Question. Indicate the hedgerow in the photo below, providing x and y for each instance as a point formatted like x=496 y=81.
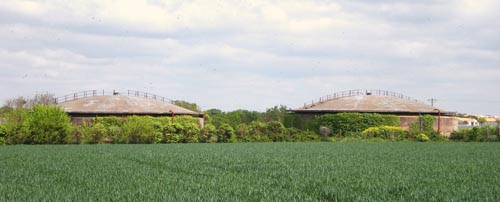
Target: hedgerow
x=343 y=123
x=385 y=132
x=480 y=134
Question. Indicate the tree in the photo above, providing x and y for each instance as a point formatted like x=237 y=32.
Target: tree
x=276 y=113
x=28 y=103
x=48 y=125
x=16 y=103
x=188 y=105
x=225 y=133
x=482 y=120
x=15 y=126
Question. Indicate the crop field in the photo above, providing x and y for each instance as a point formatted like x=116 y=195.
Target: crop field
x=403 y=171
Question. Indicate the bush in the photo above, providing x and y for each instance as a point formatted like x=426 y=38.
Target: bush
x=258 y=132
x=296 y=135
x=225 y=133
x=275 y=131
x=185 y=129
x=343 y=123
x=48 y=125
x=480 y=134
x=422 y=137
x=385 y=132
x=427 y=127
x=208 y=133
x=15 y=126
x=141 y=130
x=243 y=134
x=3 y=133
x=93 y=134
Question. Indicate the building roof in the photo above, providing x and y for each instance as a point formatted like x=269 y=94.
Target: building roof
x=122 y=105
x=371 y=101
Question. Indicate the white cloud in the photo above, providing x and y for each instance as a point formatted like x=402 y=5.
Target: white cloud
x=253 y=54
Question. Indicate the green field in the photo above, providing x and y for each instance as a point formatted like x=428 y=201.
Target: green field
x=404 y=171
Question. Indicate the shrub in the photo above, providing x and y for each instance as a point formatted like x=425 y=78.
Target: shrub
x=225 y=133
x=208 y=133
x=308 y=136
x=170 y=134
x=3 y=133
x=258 y=132
x=422 y=137
x=312 y=125
x=275 y=131
x=457 y=135
x=15 y=126
x=48 y=125
x=93 y=134
x=385 y=132
x=140 y=130
x=343 y=123
x=243 y=134
x=296 y=135
x=427 y=127
x=486 y=133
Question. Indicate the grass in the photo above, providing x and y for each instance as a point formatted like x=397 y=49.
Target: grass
x=402 y=171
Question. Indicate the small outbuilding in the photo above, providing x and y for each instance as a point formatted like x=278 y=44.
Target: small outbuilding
x=84 y=106
x=408 y=109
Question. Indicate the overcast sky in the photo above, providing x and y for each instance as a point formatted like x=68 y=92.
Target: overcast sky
x=255 y=54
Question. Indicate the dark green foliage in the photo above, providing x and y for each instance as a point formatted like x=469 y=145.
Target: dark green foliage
x=343 y=123
x=276 y=113
x=237 y=117
x=275 y=131
x=292 y=121
x=3 y=134
x=404 y=171
x=47 y=125
x=243 y=134
x=425 y=126
x=225 y=133
x=480 y=134
x=208 y=134
x=233 y=118
x=428 y=123
x=312 y=125
x=296 y=135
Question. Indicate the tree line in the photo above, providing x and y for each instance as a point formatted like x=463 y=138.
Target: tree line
x=39 y=121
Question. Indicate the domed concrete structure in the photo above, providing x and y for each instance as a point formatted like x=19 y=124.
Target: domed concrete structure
x=381 y=102
x=88 y=104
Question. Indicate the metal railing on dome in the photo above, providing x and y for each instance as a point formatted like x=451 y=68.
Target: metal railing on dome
x=94 y=93
x=358 y=92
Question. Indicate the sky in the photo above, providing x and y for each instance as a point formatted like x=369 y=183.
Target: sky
x=255 y=54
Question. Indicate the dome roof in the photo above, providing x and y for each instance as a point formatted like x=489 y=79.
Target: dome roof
x=122 y=105
x=370 y=101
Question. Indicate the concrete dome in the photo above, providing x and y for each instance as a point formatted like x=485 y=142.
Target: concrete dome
x=369 y=101
x=122 y=105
